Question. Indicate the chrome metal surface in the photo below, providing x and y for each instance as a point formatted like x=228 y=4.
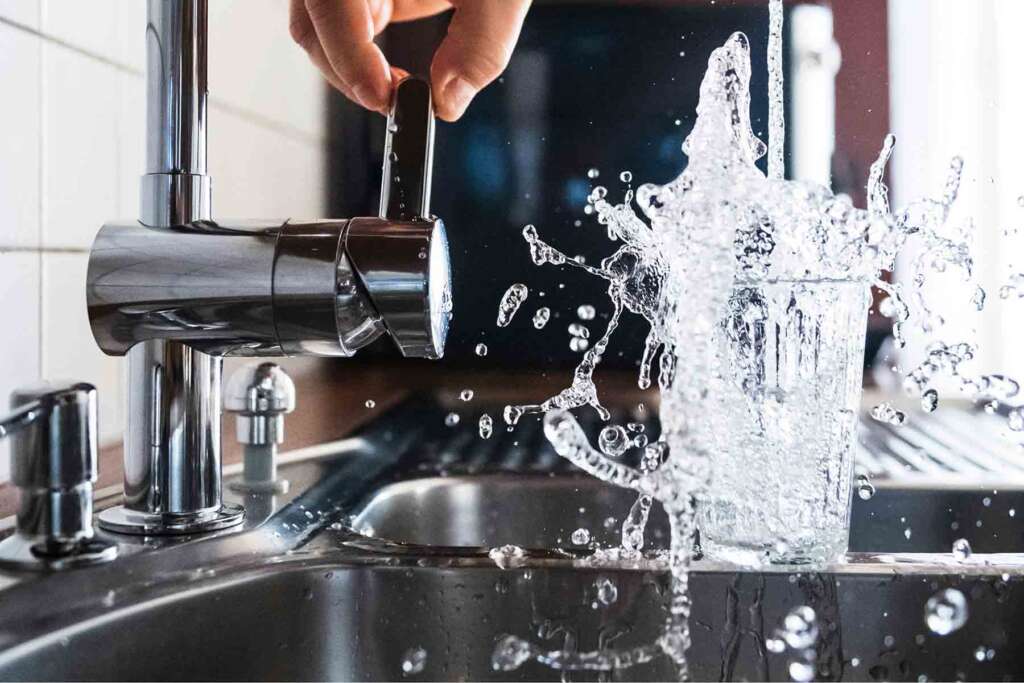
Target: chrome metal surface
x=303 y=596
x=260 y=395
x=53 y=431
x=177 y=291
x=408 y=153
x=405 y=268
x=176 y=188
x=172 y=443
x=172 y=435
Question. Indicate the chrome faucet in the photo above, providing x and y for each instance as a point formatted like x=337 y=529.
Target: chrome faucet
x=176 y=292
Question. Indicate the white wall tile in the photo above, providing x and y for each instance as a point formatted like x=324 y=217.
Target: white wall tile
x=80 y=152
x=262 y=173
x=19 y=138
x=19 y=360
x=131 y=132
x=22 y=11
x=68 y=348
x=130 y=27
x=90 y=26
x=255 y=65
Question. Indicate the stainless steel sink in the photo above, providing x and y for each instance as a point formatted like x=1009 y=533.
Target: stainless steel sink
x=300 y=594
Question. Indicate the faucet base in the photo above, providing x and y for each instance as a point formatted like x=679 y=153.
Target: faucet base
x=121 y=520
x=20 y=553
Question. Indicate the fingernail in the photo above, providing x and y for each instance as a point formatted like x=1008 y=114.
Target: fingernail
x=458 y=94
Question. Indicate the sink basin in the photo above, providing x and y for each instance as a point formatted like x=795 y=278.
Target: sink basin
x=539 y=511
x=301 y=594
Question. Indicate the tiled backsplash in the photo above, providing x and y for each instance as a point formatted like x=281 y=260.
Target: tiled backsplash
x=71 y=152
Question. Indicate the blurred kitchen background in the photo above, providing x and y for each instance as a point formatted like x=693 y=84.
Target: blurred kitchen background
x=610 y=85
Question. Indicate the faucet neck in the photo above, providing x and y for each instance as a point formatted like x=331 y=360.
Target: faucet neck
x=176 y=187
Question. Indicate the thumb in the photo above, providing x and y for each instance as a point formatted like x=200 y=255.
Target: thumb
x=480 y=40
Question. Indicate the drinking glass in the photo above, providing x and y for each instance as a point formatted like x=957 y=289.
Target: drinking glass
x=783 y=414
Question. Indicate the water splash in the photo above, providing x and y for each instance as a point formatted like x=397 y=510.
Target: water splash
x=683 y=252
x=511 y=300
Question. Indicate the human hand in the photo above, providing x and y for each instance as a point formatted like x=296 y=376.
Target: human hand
x=338 y=36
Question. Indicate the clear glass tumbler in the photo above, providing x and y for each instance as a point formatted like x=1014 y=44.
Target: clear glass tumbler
x=784 y=398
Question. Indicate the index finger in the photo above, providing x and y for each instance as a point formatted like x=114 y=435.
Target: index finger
x=346 y=32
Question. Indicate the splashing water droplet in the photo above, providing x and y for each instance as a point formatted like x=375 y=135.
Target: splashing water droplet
x=946 y=611
x=486 y=426
x=613 y=440
x=414 y=660
x=481 y=350
x=865 y=489
x=593 y=173
x=510 y=653
x=961 y=550
x=578 y=330
x=580 y=536
x=885 y=412
x=506 y=556
x=1015 y=419
x=626 y=177
x=607 y=591
x=452 y=419
x=466 y=395
x=541 y=317
x=800 y=628
x=370 y=403
x=578 y=344
x=510 y=302
x=802 y=672
x=929 y=401
x=512 y=414
x=586 y=312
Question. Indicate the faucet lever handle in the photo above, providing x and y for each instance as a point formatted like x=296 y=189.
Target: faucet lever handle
x=408 y=152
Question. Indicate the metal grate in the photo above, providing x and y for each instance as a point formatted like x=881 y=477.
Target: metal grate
x=952 y=447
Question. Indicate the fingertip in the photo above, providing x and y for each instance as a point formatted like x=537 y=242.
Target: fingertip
x=452 y=97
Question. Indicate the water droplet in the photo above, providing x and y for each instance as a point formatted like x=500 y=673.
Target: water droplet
x=593 y=173
x=586 y=312
x=929 y=401
x=961 y=550
x=578 y=330
x=884 y=412
x=775 y=645
x=541 y=317
x=506 y=556
x=580 y=536
x=511 y=300
x=607 y=592
x=481 y=350
x=486 y=426
x=946 y=611
x=1015 y=419
x=414 y=660
x=865 y=489
x=466 y=395
x=451 y=419
x=802 y=672
x=512 y=414
x=613 y=440
x=578 y=344
x=510 y=653
x=370 y=403
x=800 y=628
x=626 y=177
